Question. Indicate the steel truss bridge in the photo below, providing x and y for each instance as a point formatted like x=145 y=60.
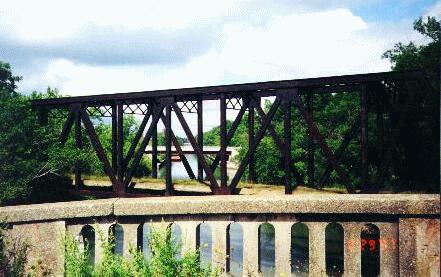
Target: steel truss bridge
x=158 y=105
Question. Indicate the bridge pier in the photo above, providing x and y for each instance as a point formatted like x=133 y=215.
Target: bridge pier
x=219 y=243
x=389 y=264
x=352 y=250
x=282 y=234
x=317 y=250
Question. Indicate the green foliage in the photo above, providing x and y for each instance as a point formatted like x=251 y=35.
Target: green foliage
x=7 y=80
x=20 y=145
x=104 y=131
x=212 y=137
x=161 y=139
x=76 y=260
x=164 y=249
x=417 y=144
x=163 y=261
x=31 y=155
x=424 y=57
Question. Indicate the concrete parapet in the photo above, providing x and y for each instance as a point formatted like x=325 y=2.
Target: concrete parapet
x=45 y=240
x=409 y=227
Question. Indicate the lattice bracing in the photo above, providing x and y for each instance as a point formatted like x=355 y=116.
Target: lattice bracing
x=102 y=111
x=234 y=103
x=188 y=106
x=135 y=108
x=58 y=113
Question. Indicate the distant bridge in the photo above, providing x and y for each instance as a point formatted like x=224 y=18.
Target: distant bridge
x=187 y=149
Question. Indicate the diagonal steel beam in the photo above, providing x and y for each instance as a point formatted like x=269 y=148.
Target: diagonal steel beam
x=312 y=127
x=340 y=151
x=138 y=155
x=137 y=137
x=230 y=135
x=67 y=126
x=213 y=183
x=98 y=148
x=279 y=142
x=180 y=152
x=258 y=138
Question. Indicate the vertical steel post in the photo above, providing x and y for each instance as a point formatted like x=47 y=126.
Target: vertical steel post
x=120 y=149
x=168 y=164
x=287 y=145
x=154 y=148
x=200 y=137
x=223 y=142
x=380 y=124
x=79 y=144
x=363 y=136
x=251 y=165
x=311 y=145
x=114 y=137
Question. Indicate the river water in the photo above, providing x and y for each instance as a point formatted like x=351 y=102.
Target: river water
x=178 y=169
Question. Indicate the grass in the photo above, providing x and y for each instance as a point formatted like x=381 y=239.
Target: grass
x=163 y=261
x=244 y=187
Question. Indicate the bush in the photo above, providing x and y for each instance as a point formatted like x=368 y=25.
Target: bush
x=50 y=188
x=163 y=261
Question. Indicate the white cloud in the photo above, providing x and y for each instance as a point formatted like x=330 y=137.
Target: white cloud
x=434 y=10
x=241 y=41
x=288 y=46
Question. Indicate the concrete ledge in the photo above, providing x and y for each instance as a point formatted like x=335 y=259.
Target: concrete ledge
x=392 y=204
x=272 y=204
x=55 y=211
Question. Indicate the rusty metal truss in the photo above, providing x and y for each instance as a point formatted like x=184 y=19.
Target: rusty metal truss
x=156 y=106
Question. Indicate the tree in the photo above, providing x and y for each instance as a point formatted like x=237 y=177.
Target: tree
x=7 y=80
x=417 y=145
x=17 y=156
x=31 y=154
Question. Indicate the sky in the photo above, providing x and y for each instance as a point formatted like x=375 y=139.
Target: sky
x=94 y=47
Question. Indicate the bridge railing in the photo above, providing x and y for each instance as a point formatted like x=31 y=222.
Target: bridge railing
x=391 y=235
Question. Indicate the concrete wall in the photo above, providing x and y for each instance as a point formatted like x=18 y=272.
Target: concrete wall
x=409 y=227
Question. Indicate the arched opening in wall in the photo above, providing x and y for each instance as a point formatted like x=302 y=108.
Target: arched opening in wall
x=300 y=249
x=116 y=236
x=88 y=241
x=334 y=246
x=204 y=242
x=176 y=238
x=267 y=259
x=235 y=249
x=142 y=242
x=370 y=250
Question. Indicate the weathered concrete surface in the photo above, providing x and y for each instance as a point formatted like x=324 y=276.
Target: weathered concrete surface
x=61 y=210
x=415 y=225
x=317 y=257
x=45 y=245
x=297 y=204
x=419 y=247
x=233 y=204
x=301 y=204
x=389 y=260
